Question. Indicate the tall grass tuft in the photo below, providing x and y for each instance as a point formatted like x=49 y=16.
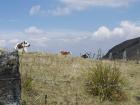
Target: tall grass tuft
x=105 y=81
x=27 y=84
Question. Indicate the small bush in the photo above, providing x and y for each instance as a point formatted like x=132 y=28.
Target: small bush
x=106 y=82
x=27 y=84
x=24 y=102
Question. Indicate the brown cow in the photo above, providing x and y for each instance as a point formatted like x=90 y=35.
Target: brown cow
x=65 y=53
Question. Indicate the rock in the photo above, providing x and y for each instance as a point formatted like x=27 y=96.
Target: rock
x=10 y=83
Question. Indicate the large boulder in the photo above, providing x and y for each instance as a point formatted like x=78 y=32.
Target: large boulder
x=10 y=83
x=129 y=48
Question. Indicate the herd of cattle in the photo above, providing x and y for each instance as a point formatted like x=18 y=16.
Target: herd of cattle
x=22 y=47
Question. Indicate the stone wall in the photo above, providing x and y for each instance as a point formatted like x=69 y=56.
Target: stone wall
x=10 y=82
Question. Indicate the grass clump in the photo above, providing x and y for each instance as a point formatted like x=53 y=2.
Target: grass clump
x=105 y=81
x=24 y=102
x=27 y=84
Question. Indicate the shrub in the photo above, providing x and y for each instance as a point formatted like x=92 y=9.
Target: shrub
x=27 y=84
x=24 y=102
x=106 y=82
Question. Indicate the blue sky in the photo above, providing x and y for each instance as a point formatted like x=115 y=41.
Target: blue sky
x=75 y=25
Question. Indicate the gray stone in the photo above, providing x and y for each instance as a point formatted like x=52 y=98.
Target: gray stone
x=10 y=82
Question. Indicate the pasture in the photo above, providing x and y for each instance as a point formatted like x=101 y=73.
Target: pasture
x=60 y=80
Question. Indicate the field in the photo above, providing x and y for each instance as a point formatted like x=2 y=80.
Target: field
x=49 y=79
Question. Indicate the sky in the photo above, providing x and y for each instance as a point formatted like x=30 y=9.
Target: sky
x=74 y=25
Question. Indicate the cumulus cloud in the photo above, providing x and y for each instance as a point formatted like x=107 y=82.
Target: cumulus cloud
x=64 y=37
x=102 y=32
x=33 y=30
x=125 y=30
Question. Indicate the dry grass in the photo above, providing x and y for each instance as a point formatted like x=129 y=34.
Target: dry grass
x=62 y=79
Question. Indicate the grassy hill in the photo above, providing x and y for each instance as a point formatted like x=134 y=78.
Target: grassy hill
x=62 y=79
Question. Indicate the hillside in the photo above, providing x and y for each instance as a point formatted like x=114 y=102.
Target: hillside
x=62 y=79
x=132 y=48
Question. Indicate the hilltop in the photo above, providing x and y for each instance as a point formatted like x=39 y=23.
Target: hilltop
x=132 y=48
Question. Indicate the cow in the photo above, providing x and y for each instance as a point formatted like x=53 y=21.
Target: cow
x=86 y=55
x=65 y=53
x=22 y=47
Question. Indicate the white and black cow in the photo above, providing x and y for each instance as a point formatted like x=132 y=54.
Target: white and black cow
x=22 y=47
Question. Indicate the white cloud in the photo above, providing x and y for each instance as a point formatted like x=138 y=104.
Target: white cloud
x=60 y=11
x=72 y=39
x=33 y=30
x=103 y=37
x=2 y=43
x=42 y=41
x=14 y=41
x=79 y=5
x=66 y=7
x=102 y=32
x=125 y=30
x=35 y=9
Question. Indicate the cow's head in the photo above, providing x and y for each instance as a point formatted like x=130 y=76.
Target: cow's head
x=25 y=44
x=86 y=55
